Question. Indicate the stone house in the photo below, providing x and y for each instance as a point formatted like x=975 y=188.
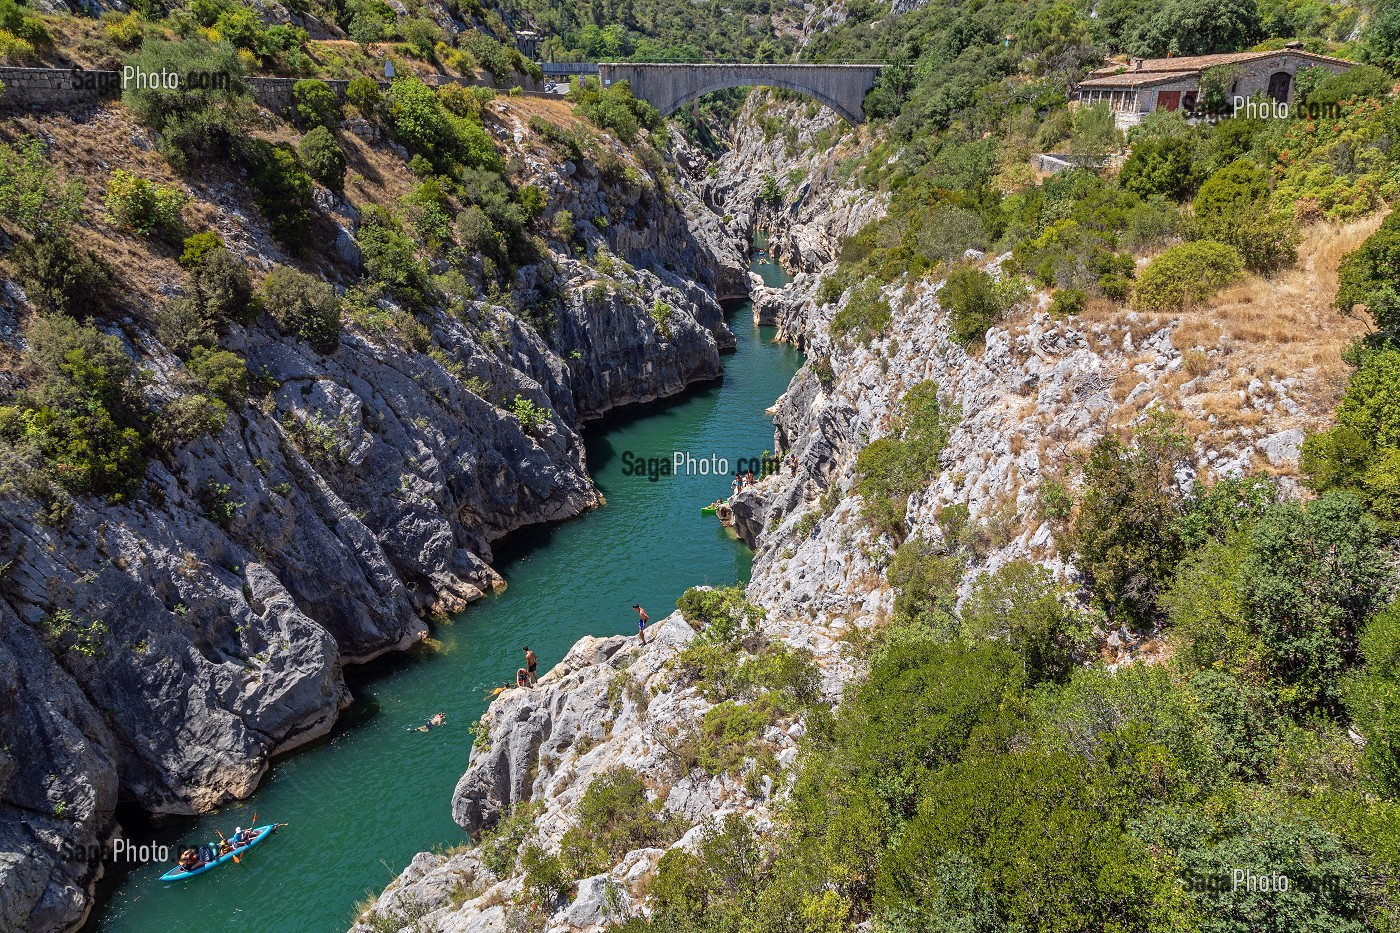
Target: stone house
x=1146 y=84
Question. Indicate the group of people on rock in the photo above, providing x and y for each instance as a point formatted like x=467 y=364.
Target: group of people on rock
x=527 y=677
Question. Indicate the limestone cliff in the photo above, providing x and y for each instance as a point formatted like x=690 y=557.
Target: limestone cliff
x=162 y=649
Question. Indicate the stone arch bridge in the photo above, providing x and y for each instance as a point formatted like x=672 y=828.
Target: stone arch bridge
x=668 y=86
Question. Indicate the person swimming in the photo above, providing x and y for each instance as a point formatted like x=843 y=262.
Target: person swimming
x=439 y=719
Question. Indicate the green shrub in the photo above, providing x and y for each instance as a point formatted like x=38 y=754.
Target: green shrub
x=1370 y=277
x=315 y=104
x=614 y=108
x=1232 y=192
x=218 y=294
x=532 y=417
x=925 y=577
x=1359 y=83
x=1313 y=575
x=390 y=257
x=546 y=880
x=891 y=469
x=1187 y=274
x=1125 y=535
x=426 y=211
x=144 y=206
x=31 y=193
x=614 y=817
x=321 y=155
x=500 y=845
x=84 y=416
x=282 y=189
x=722 y=614
x=1164 y=167
x=188 y=417
x=421 y=35
x=365 y=95
x=865 y=315
x=1265 y=239
x=1373 y=696
x=975 y=301
x=303 y=307
x=59 y=276
x=198 y=246
x=193 y=122
x=1066 y=302
x=1021 y=604
x=418 y=121
x=223 y=375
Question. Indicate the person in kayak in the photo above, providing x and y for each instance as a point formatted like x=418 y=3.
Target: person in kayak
x=189 y=860
x=642 y=621
x=531 y=662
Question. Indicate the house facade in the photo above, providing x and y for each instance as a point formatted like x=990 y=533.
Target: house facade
x=1143 y=85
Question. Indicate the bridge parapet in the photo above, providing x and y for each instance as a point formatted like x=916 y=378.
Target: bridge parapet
x=669 y=86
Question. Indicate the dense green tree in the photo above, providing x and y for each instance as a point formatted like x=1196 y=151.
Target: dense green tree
x=1160 y=167
x=1313 y=575
x=1370 y=277
x=1125 y=534
x=1021 y=603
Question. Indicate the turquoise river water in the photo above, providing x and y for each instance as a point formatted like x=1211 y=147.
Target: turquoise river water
x=361 y=803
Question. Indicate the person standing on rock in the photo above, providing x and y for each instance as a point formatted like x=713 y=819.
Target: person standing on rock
x=531 y=662
x=642 y=621
x=738 y=484
x=792 y=464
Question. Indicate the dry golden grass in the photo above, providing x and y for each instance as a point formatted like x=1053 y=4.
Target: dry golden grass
x=1286 y=325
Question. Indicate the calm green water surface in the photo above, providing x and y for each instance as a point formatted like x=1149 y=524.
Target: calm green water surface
x=360 y=804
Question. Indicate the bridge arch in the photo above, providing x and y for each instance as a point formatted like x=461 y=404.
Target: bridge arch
x=670 y=86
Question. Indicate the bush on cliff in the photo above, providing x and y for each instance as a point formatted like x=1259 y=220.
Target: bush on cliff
x=58 y=275
x=723 y=615
x=302 y=306
x=449 y=142
x=1186 y=275
x=865 y=315
x=193 y=122
x=893 y=468
x=315 y=104
x=614 y=108
x=1125 y=535
x=282 y=189
x=145 y=207
x=32 y=193
x=84 y=415
x=614 y=817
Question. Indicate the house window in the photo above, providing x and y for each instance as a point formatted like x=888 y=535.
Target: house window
x=1280 y=83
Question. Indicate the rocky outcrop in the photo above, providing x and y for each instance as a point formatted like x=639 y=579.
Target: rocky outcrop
x=781 y=178
x=610 y=703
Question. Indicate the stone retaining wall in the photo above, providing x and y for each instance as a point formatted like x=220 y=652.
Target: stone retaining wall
x=59 y=88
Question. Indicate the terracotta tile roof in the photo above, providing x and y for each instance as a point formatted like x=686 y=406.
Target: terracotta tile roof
x=1198 y=63
x=1138 y=78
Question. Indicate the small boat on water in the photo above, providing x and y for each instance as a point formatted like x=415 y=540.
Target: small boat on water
x=259 y=834
x=710 y=509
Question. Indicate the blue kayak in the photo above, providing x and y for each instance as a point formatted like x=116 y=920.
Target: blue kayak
x=262 y=832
